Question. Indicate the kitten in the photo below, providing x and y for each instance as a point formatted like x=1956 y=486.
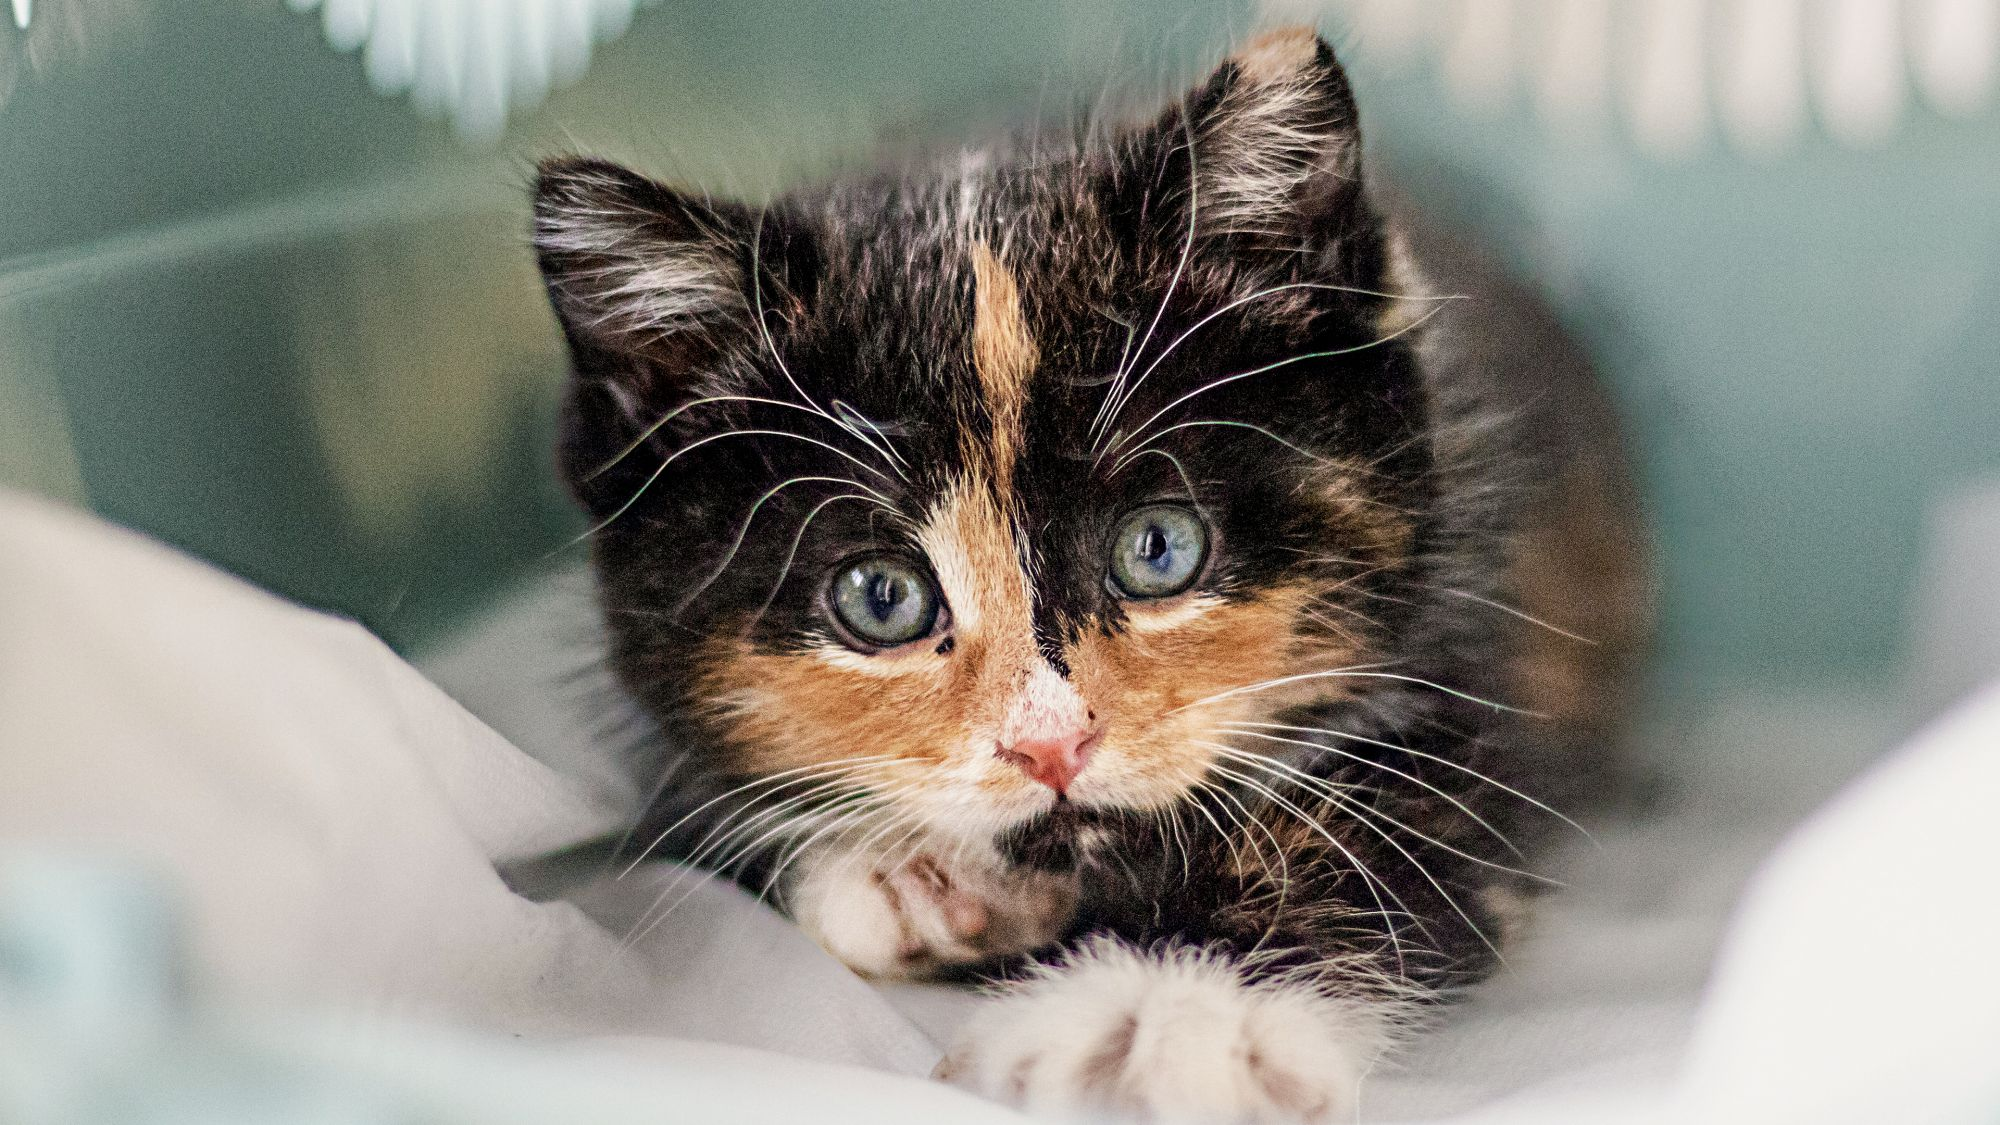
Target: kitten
x=1115 y=555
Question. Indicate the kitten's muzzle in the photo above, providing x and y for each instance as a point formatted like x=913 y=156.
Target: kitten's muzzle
x=1049 y=729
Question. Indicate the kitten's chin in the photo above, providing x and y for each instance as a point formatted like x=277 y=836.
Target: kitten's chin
x=1061 y=837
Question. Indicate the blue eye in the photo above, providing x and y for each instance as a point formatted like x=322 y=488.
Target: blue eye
x=1158 y=551
x=884 y=601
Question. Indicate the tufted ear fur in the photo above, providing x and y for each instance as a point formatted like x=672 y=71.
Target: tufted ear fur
x=1264 y=160
x=633 y=267
x=655 y=293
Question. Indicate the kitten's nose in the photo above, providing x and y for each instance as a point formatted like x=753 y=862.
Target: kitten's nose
x=1049 y=730
x=1054 y=762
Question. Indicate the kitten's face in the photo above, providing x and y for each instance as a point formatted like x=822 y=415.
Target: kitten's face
x=1008 y=489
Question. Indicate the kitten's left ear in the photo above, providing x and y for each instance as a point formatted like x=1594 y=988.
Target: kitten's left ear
x=1264 y=156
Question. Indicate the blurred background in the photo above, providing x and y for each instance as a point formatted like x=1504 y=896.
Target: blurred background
x=265 y=291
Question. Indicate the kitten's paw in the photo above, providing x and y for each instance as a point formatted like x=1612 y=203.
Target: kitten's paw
x=1170 y=1037
x=919 y=914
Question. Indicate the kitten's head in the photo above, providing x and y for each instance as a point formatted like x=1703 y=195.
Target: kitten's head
x=1004 y=488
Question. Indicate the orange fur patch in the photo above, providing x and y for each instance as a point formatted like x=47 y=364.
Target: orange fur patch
x=788 y=710
x=915 y=705
x=1412 y=302
x=1580 y=565
x=1373 y=529
x=970 y=543
x=1277 y=54
x=1004 y=355
x=936 y=715
x=1154 y=690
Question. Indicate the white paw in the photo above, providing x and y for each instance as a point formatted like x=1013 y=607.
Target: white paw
x=919 y=913
x=1168 y=1037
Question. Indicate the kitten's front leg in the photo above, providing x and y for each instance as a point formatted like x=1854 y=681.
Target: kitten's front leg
x=1171 y=1035
x=1243 y=985
x=913 y=913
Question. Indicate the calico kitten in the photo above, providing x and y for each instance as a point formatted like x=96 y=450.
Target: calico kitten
x=1114 y=554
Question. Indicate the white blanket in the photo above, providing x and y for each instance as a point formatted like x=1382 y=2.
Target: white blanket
x=330 y=823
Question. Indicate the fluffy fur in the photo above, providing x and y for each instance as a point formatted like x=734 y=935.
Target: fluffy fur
x=1306 y=772
x=1179 y=1035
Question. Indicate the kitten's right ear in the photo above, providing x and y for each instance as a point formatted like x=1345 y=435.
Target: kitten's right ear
x=642 y=277
x=654 y=290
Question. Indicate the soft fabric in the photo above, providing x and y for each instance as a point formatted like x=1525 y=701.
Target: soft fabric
x=331 y=825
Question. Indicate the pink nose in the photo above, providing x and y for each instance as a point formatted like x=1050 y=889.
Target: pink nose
x=1054 y=762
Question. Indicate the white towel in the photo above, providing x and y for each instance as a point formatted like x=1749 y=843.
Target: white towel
x=332 y=822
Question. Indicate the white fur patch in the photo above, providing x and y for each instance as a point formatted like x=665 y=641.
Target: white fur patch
x=1047 y=706
x=906 y=915
x=848 y=909
x=1164 y=617
x=1178 y=1036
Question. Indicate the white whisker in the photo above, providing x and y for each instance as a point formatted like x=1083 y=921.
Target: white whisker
x=1353 y=673
x=661 y=909
x=1376 y=886
x=646 y=435
x=1429 y=757
x=1187 y=482
x=744 y=531
x=1333 y=791
x=1107 y=411
x=1241 y=375
x=1508 y=609
x=730 y=831
x=1195 y=802
x=792 y=555
x=764 y=329
x=815 y=769
x=839 y=827
x=1385 y=767
x=1298 y=449
x=1307 y=819
x=845 y=409
x=1239 y=302
x=694 y=445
